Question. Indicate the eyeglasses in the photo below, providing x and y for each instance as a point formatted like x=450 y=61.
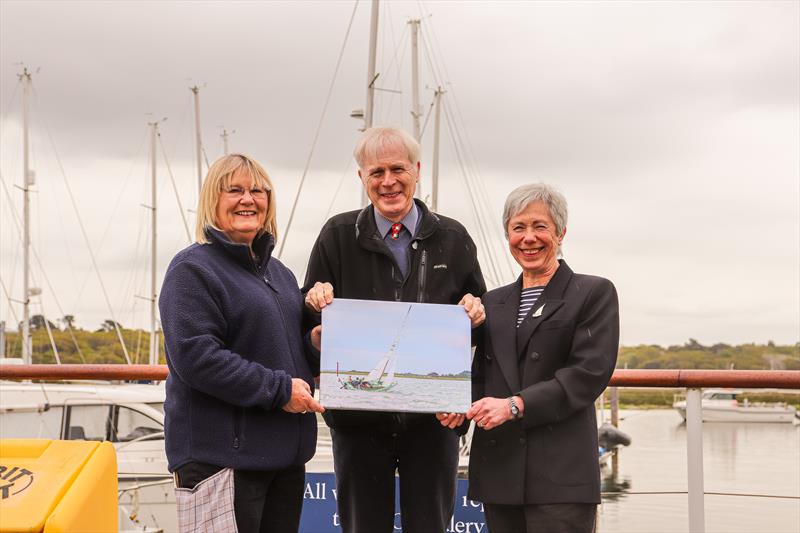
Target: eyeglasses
x=238 y=192
x=395 y=171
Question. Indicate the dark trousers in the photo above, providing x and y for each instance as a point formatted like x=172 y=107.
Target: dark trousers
x=365 y=461
x=545 y=518
x=263 y=502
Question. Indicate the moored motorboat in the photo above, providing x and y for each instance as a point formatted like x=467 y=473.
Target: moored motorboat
x=722 y=405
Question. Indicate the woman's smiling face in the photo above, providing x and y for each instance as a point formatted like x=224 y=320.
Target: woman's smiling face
x=241 y=216
x=532 y=239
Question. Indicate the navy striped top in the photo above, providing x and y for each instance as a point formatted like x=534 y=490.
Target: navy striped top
x=526 y=301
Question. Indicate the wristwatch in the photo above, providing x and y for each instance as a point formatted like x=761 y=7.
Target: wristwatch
x=514 y=409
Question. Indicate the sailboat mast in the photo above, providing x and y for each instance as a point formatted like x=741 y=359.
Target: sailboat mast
x=373 y=49
x=415 y=114
x=371 y=61
x=198 y=140
x=25 y=77
x=435 y=168
x=153 y=245
x=224 y=136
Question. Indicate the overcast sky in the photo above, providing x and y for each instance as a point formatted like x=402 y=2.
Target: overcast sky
x=673 y=129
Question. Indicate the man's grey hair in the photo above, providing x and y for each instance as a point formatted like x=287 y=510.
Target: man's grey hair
x=374 y=140
x=521 y=197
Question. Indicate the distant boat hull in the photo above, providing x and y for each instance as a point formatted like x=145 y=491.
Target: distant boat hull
x=743 y=413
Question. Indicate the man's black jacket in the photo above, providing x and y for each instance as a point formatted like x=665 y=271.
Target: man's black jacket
x=351 y=255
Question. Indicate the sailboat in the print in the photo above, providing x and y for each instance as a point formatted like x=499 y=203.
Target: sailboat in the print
x=375 y=381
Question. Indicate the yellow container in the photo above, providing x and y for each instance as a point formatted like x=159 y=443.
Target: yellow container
x=55 y=485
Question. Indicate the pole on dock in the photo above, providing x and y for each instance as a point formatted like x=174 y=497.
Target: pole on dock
x=694 y=453
x=198 y=138
x=27 y=181
x=613 y=398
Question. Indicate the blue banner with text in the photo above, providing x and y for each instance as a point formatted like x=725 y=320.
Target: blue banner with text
x=320 y=516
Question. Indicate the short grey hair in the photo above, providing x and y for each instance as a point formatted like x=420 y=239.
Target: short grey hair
x=375 y=140
x=520 y=198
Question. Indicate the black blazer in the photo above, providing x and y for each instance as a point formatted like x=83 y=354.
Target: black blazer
x=559 y=362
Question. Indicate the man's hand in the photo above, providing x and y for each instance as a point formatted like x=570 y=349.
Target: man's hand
x=316 y=338
x=318 y=296
x=302 y=401
x=474 y=308
x=450 y=420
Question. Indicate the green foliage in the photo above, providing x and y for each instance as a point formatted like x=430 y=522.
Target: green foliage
x=79 y=346
x=694 y=355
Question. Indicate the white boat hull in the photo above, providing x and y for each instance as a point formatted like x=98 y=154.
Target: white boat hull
x=741 y=413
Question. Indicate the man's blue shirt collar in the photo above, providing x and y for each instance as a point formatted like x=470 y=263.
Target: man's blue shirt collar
x=409 y=221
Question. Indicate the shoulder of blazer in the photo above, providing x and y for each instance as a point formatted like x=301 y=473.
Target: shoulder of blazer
x=499 y=295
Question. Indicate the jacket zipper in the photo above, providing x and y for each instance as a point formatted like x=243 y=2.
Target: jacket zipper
x=421 y=277
x=237 y=416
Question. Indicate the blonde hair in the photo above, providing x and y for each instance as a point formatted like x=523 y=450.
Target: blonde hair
x=219 y=177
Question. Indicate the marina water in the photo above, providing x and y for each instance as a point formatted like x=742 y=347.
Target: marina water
x=748 y=458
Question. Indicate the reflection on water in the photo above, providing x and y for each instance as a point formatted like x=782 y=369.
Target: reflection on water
x=409 y=394
x=752 y=459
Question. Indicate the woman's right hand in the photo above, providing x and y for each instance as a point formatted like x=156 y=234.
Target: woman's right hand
x=318 y=296
x=302 y=400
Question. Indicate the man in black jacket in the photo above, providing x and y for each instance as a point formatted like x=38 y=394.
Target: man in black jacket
x=395 y=249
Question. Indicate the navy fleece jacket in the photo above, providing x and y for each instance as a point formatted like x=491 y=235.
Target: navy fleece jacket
x=234 y=341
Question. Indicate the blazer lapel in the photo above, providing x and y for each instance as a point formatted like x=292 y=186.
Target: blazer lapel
x=547 y=304
x=502 y=320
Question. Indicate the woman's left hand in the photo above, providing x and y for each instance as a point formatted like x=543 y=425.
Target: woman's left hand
x=302 y=401
x=488 y=413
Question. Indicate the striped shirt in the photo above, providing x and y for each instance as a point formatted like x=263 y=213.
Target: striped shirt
x=526 y=301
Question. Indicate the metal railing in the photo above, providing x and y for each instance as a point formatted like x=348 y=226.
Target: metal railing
x=692 y=380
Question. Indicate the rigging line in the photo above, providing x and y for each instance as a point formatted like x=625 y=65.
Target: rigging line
x=316 y=134
x=398 y=78
x=471 y=192
x=175 y=189
x=17 y=225
x=86 y=240
x=19 y=239
x=115 y=209
x=8 y=297
x=479 y=184
x=459 y=124
x=487 y=216
x=49 y=333
x=331 y=204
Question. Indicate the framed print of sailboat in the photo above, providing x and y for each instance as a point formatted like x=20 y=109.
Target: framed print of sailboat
x=395 y=356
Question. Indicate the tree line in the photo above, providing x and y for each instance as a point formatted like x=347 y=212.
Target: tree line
x=77 y=345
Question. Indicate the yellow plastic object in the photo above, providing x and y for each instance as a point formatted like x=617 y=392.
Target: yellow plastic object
x=57 y=486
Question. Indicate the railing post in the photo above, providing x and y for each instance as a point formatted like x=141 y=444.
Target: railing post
x=694 y=454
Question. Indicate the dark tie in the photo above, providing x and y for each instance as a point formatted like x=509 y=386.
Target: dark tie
x=396 y=229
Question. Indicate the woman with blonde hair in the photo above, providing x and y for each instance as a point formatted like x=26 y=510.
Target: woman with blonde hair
x=239 y=412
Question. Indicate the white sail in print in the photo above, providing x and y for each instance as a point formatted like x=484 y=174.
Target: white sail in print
x=380 y=368
x=386 y=365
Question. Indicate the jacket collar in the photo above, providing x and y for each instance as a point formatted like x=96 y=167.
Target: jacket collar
x=367 y=231
x=547 y=304
x=262 y=246
x=509 y=340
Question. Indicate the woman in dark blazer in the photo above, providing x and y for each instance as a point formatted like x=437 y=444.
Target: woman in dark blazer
x=548 y=349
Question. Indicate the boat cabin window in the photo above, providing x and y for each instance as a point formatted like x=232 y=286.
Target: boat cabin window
x=133 y=425
x=723 y=396
x=30 y=424
x=115 y=423
x=87 y=422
